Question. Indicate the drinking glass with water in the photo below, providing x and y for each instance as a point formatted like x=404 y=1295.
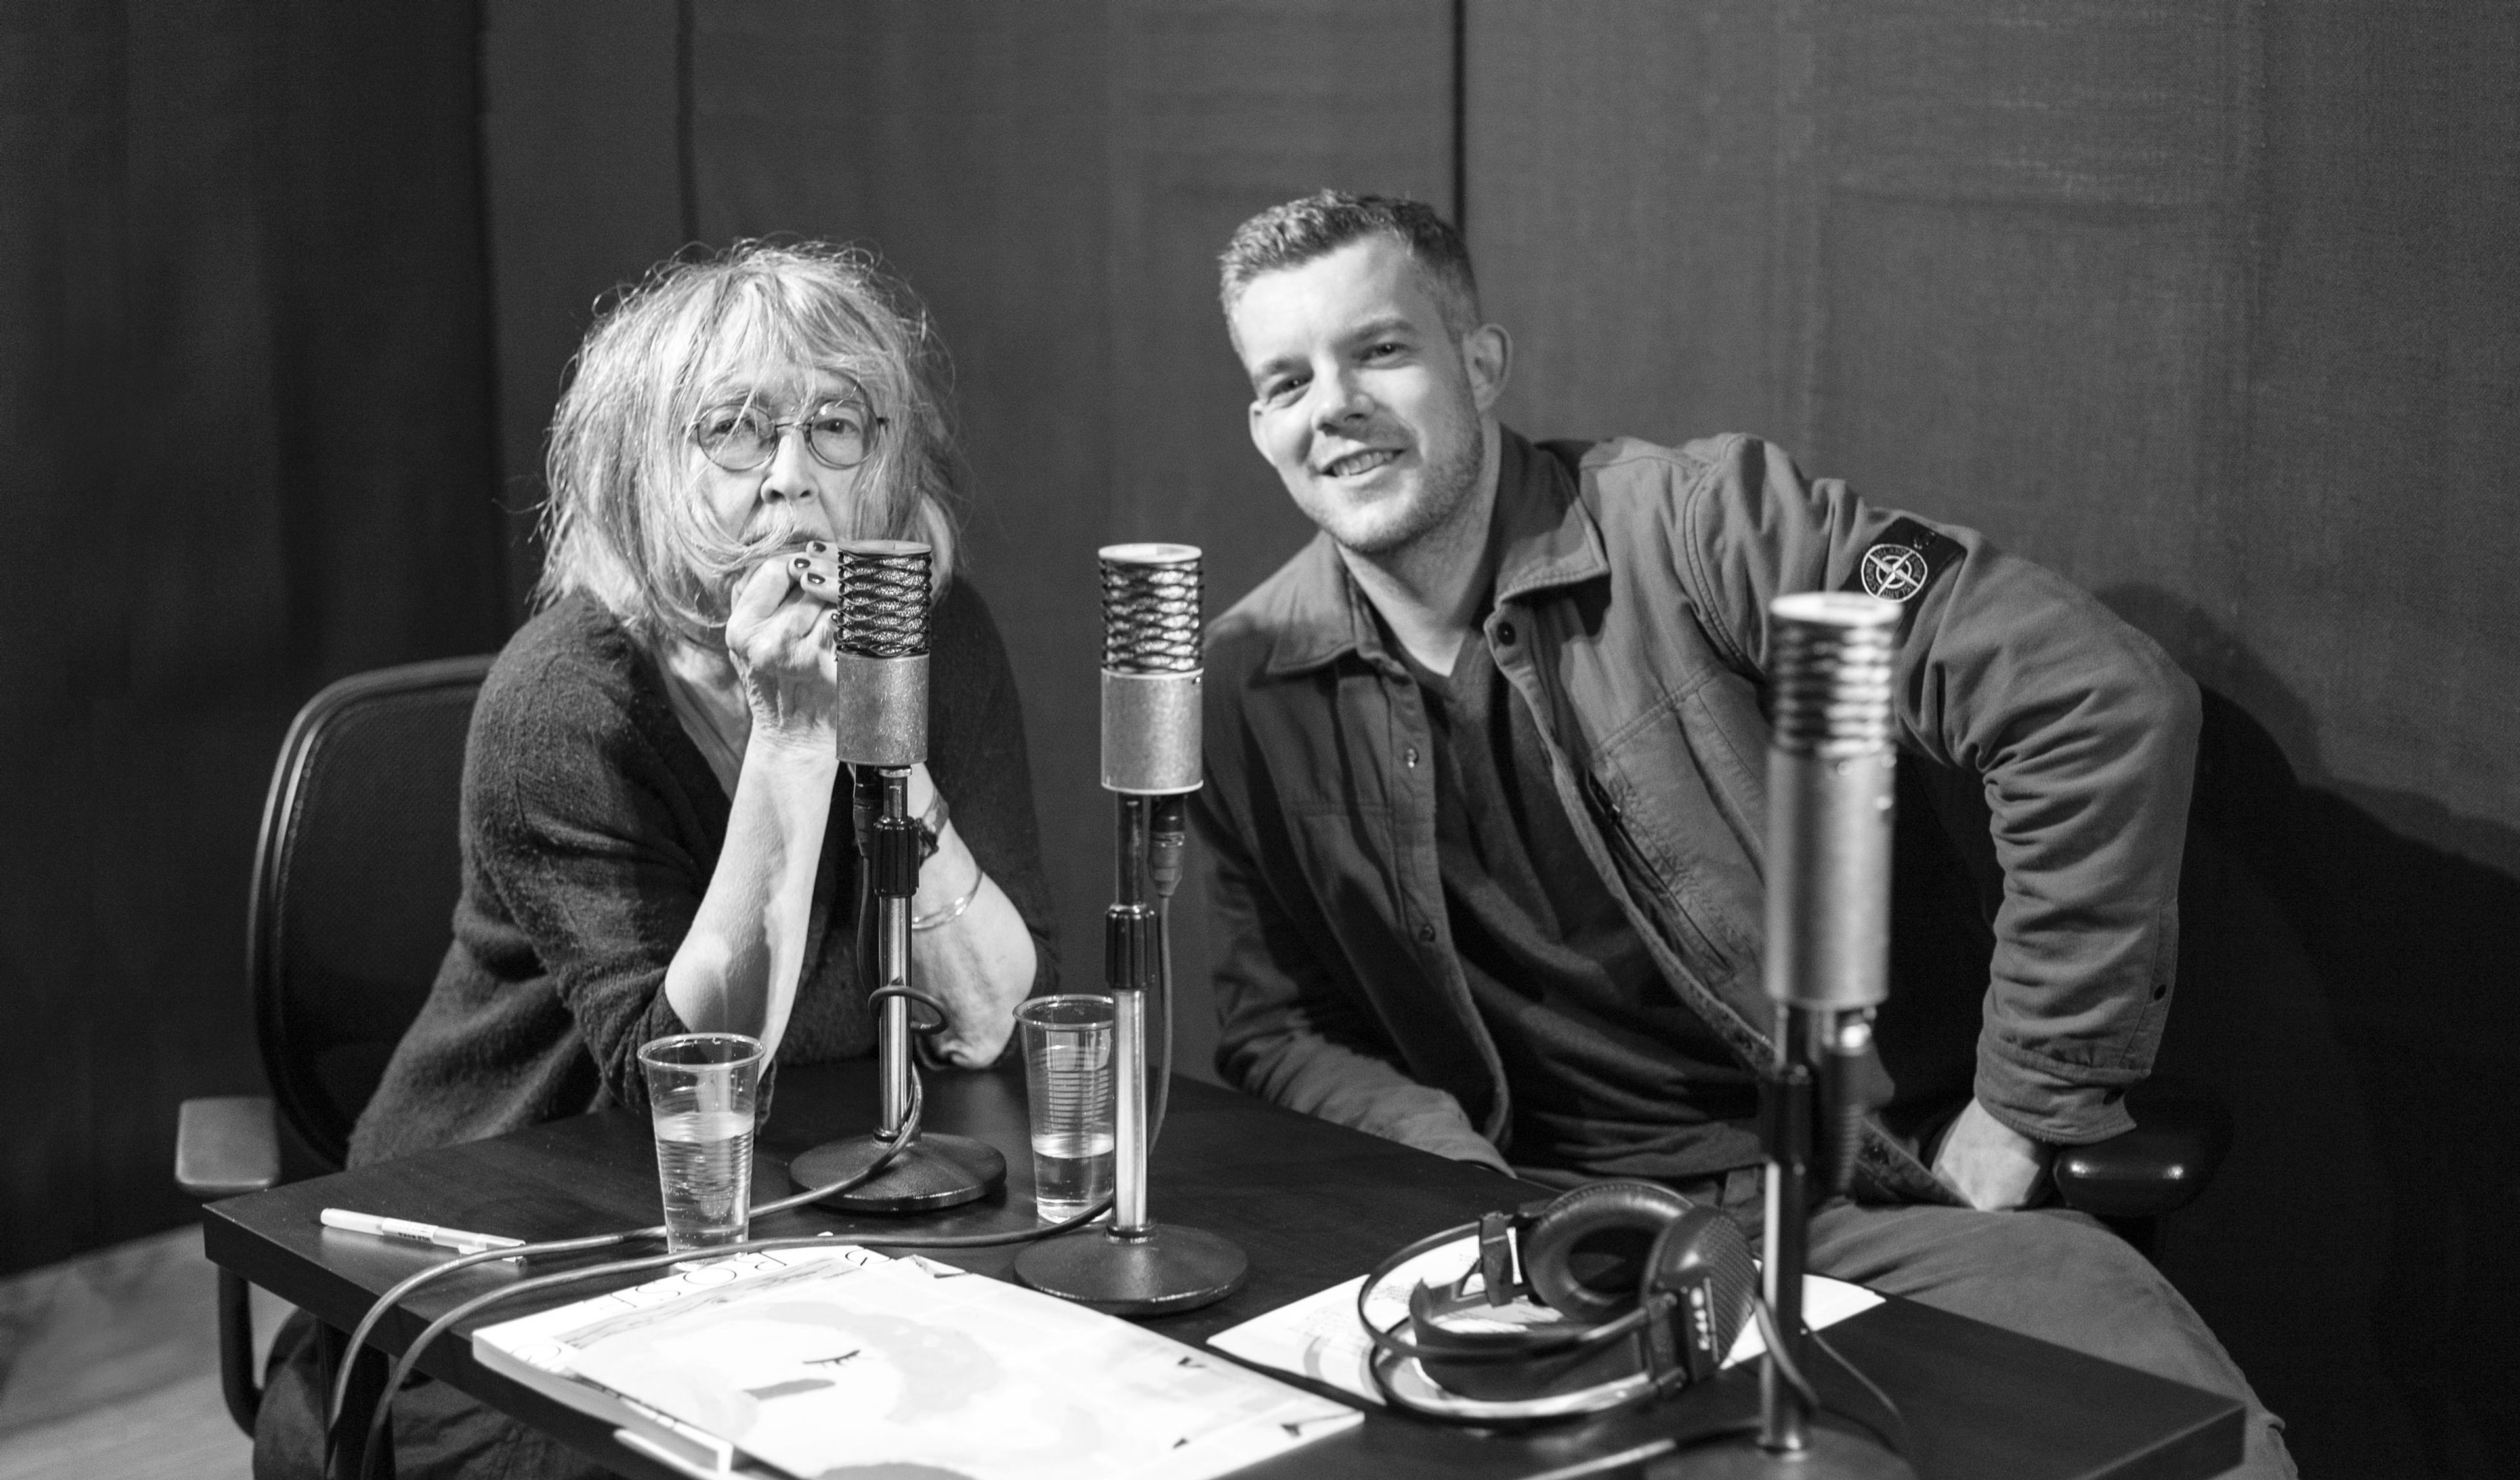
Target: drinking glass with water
x=702 y=1093
x=1067 y=1079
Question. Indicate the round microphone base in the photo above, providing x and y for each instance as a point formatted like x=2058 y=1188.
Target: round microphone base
x=1828 y=1454
x=936 y=1171
x=1163 y=1270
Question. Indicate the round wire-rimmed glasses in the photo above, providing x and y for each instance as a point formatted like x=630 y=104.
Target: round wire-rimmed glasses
x=741 y=436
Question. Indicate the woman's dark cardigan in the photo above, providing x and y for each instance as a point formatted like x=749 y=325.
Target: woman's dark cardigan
x=591 y=824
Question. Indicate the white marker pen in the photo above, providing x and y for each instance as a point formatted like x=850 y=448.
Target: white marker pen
x=418 y=1232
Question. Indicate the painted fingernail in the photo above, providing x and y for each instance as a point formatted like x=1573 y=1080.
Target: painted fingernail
x=800 y=562
x=813 y=580
x=816 y=546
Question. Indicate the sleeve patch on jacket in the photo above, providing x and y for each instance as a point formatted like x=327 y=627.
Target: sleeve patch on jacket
x=1904 y=561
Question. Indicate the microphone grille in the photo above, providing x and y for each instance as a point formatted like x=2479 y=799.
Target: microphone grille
x=1832 y=672
x=1150 y=608
x=883 y=598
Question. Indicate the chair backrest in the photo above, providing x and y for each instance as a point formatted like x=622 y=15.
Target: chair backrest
x=354 y=885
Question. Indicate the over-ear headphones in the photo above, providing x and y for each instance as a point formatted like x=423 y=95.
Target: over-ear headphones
x=1652 y=1288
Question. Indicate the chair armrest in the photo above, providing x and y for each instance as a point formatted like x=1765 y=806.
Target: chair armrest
x=2183 y=1130
x=225 y=1145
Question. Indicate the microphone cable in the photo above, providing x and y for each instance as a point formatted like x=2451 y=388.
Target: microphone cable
x=411 y=1355
x=1166 y=838
x=403 y=1290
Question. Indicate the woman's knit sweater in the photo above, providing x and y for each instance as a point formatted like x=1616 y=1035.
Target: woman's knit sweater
x=591 y=824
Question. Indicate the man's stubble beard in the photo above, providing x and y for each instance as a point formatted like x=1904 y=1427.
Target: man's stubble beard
x=1448 y=483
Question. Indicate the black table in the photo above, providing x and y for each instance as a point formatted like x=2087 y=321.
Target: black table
x=1312 y=1203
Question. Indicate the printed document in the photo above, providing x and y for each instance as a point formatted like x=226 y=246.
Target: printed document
x=841 y=1361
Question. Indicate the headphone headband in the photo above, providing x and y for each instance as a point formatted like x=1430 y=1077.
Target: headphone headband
x=1690 y=1296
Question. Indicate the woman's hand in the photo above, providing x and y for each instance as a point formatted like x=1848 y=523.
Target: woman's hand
x=778 y=638
x=738 y=968
x=978 y=959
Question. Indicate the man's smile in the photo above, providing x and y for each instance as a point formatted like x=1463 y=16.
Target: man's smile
x=1357 y=464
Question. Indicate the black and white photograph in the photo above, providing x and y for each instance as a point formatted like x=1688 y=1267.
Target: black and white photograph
x=941 y=739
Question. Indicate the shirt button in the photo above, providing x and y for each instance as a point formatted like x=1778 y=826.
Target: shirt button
x=1426 y=934
x=1505 y=633
x=1409 y=757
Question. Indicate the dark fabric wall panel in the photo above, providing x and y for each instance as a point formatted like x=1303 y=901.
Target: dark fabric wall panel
x=2199 y=303
x=2384 y=411
x=1219 y=111
x=2028 y=268
x=2382 y=530
x=243 y=410
x=581 y=162
x=1625 y=203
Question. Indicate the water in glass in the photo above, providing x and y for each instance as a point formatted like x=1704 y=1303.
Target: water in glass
x=704 y=1166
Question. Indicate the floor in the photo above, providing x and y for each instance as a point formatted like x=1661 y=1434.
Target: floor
x=109 y=1367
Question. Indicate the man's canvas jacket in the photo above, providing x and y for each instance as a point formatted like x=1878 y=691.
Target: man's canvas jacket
x=1630 y=613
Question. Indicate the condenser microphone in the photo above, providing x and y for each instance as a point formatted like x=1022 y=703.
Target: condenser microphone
x=1151 y=760
x=1830 y=766
x=880 y=651
x=881 y=646
x=1150 y=669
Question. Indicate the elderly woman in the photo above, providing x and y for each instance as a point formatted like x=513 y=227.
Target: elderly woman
x=655 y=826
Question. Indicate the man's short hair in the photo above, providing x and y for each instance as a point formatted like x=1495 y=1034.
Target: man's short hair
x=1321 y=223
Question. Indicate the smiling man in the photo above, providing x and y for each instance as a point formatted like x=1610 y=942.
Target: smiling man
x=1486 y=796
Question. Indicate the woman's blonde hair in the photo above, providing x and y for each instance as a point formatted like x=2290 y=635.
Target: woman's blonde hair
x=626 y=522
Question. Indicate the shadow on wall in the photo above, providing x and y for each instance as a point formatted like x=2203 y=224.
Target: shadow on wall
x=2352 y=990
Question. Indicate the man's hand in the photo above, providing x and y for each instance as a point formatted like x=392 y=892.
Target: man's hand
x=1990 y=1164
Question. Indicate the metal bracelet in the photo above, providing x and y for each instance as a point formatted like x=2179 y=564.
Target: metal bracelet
x=948 y=913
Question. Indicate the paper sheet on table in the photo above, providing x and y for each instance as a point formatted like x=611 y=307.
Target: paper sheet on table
x=812 y=1359
x=1319 y=1337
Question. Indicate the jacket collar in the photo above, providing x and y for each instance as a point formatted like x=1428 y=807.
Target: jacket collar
x=1549 y=540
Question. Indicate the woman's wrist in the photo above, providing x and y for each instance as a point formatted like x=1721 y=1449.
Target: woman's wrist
x=946 y=914
x=949 y=877
x=792 y=748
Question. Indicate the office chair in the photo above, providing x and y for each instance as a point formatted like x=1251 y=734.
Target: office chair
x=354 y=883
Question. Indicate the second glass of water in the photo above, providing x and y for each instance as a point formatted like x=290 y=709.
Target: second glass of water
x=1067 y=1078
x=701 y=1091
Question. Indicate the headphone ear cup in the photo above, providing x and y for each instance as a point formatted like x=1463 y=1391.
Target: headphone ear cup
x=1703 y=1258
x=1589 y=1253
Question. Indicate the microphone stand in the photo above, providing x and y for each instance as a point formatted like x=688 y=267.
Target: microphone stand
x=1829 y=769
x=1151 y=759
x=883 y=652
